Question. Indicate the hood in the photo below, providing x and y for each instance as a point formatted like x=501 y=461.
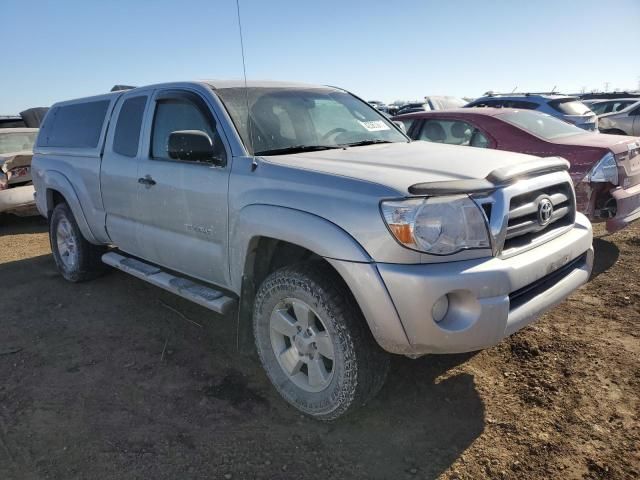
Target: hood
x=614 y=143
x=400 y=165
x=15 y=159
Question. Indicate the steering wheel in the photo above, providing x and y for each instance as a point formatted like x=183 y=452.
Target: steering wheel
x=335 y=131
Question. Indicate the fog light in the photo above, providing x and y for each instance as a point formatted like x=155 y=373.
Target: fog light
x=440 y=308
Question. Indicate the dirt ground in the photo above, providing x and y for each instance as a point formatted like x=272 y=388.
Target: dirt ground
x=117 y=379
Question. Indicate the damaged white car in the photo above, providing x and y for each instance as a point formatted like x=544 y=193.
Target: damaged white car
x=16 y=187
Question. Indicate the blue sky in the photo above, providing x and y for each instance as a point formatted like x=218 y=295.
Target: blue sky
x=378 y=49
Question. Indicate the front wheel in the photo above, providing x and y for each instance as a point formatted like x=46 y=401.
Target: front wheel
x=314 y=343
x=77 y=259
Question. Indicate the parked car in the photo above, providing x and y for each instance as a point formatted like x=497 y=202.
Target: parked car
x=568 y=108
x=623 y=122
x=609 y=95
x=309 y=212
x=601 y=107
x=29 y=118
x=16 y=187
x=412 y=107
x=443 y=102
x=378 y=105
x=605 y=168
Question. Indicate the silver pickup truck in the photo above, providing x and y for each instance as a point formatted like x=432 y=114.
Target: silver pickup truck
x=304 y=211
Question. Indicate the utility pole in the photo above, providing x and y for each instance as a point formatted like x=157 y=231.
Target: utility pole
x=606 y=86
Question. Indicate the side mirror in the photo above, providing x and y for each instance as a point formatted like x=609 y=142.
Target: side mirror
x=192 y=145
x=401 y=126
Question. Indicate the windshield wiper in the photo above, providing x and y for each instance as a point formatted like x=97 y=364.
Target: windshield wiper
x=297 y=149
x=366 y=142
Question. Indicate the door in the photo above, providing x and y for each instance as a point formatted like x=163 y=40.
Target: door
x=184 y=203
x=119 y=172
x=636 y=122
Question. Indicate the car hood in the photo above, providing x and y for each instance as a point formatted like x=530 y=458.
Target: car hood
x=15 y=159
x=400 y=165
x=615 y=143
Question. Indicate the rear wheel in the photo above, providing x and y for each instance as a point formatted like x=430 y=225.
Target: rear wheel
x=77 y=259
x=314 y=343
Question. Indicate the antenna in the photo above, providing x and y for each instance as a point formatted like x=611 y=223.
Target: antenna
x=244 y=71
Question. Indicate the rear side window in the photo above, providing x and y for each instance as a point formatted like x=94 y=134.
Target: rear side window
x=570 y=106
x=75 y=126
x=521 y=104
x=127 y=134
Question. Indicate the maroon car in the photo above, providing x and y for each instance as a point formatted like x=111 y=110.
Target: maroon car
x=605 y=168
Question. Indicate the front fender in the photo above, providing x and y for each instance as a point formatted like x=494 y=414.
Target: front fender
x=51 y=181
x=304 y=229
x=331 y=242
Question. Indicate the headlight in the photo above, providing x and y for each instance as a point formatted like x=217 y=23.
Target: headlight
x=606 y=170
x=437 y=225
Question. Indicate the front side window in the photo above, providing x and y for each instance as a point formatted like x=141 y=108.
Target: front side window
x=541 y=124
x=180 y=114
x=286 y=120
x=127 y=133
x=452 y=132
x=17 y=142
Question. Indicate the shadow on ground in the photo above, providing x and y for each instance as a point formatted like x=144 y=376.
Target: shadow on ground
x=14 y=225
x=606 y=255
x=116 y=378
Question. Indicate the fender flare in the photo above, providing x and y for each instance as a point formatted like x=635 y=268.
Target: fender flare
x=327 y=240
x=56 y=181
x=301 y=228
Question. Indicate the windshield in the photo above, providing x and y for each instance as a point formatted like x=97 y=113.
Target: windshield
x=570 y=106
x=540 y=124
x=17 y=141
x=285 y=120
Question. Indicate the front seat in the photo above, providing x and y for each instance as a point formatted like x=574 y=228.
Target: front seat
x=461 y=132
x=433 y=132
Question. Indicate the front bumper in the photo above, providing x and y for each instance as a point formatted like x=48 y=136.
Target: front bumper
x=489 y=299
x=17 y=199
x=627 y=207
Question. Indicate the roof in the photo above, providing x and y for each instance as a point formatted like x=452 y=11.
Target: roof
x=552 y=95
x=485 y=111
x=612 y=100
x=220 y=84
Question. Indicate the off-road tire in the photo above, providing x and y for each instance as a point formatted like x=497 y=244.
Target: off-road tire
x=88 y=265
x=360 y=365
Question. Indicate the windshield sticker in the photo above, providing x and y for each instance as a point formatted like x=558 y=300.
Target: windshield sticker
x=374 y=126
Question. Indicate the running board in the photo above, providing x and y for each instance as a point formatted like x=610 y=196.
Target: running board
x=204 y=296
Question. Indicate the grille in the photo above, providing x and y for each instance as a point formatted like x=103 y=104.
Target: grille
x=524 y=228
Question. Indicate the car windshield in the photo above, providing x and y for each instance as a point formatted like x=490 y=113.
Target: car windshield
x=570 y=106
x=289 y=120
x=540 y=124
x=17 y=141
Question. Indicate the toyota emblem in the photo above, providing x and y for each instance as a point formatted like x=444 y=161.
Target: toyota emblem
x=545 y=211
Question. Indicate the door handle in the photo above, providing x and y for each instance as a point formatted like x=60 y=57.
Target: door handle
x=147 y=181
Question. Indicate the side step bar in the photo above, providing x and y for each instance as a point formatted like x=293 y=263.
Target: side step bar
x=204 y=296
